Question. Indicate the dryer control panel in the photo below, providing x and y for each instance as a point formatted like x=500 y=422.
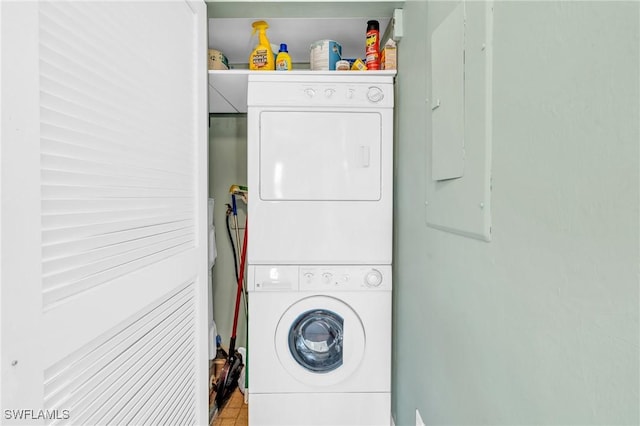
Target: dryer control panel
x=319 y=278
x=353 y=89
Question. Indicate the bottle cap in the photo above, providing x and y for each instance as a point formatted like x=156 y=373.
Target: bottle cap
x=260 y=25
x=283 y=47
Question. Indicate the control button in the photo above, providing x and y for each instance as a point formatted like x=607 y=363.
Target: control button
x=326 y=277
x=329 y=92
x=310 y=92
x=345 y=277
x=373 y=278
x=375 y=94
x=308 y=276
x=350 y=93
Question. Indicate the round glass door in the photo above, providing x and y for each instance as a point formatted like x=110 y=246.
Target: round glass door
x=316 y=340
x=320 y=341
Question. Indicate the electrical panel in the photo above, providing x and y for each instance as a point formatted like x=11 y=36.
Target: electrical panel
x=458 y=189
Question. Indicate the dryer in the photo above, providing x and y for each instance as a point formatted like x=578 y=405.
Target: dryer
x=320 y=165
x=320 y=351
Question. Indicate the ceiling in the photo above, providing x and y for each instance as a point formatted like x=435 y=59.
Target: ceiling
x=265 y=9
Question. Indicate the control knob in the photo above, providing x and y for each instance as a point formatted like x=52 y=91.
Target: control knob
x=326 y=277
x=373 y=278
x=375 y=94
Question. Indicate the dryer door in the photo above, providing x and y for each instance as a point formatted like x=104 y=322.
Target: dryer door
x=320 y=340
x=320 y=155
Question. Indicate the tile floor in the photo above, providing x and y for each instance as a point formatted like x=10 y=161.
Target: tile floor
x=234 y=413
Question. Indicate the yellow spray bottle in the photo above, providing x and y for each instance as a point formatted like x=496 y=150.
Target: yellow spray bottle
x=261 y=58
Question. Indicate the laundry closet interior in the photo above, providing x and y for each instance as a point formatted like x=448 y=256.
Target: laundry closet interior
x=335 y=174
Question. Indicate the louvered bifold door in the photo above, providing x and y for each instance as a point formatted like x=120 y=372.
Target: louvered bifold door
x=103 y=162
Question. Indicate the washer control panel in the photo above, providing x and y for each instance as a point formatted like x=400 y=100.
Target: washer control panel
x=345 y=278
x=319 y=278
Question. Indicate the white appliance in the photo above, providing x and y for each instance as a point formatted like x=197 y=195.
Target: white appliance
x=320 y=350
x=320 y=165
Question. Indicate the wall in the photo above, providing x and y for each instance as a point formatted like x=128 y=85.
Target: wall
x=539 y=326
x=227 y=166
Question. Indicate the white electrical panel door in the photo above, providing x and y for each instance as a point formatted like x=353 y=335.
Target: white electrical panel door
x=103 y=161
x=458 y=195
x=447 y=103
x=319 y=155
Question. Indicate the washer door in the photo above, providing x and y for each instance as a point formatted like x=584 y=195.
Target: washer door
x=320 y=340
x=315 y=340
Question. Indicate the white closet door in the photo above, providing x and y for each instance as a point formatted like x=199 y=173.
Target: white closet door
x=103 y=183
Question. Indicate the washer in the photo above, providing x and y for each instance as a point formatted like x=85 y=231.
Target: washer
x=320 y=166
x=320 y=345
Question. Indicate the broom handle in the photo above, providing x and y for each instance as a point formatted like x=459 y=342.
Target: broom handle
x=237 y=249
x=239 y=292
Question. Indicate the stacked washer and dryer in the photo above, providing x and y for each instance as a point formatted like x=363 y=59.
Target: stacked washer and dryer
x=319 y=247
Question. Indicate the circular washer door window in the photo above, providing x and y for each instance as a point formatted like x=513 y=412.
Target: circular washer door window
x=316 y=339
x=320 y=340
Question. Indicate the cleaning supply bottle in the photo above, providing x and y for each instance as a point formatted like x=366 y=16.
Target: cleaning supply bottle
x=261 y=58
x=372 y=47
x=283 y=60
